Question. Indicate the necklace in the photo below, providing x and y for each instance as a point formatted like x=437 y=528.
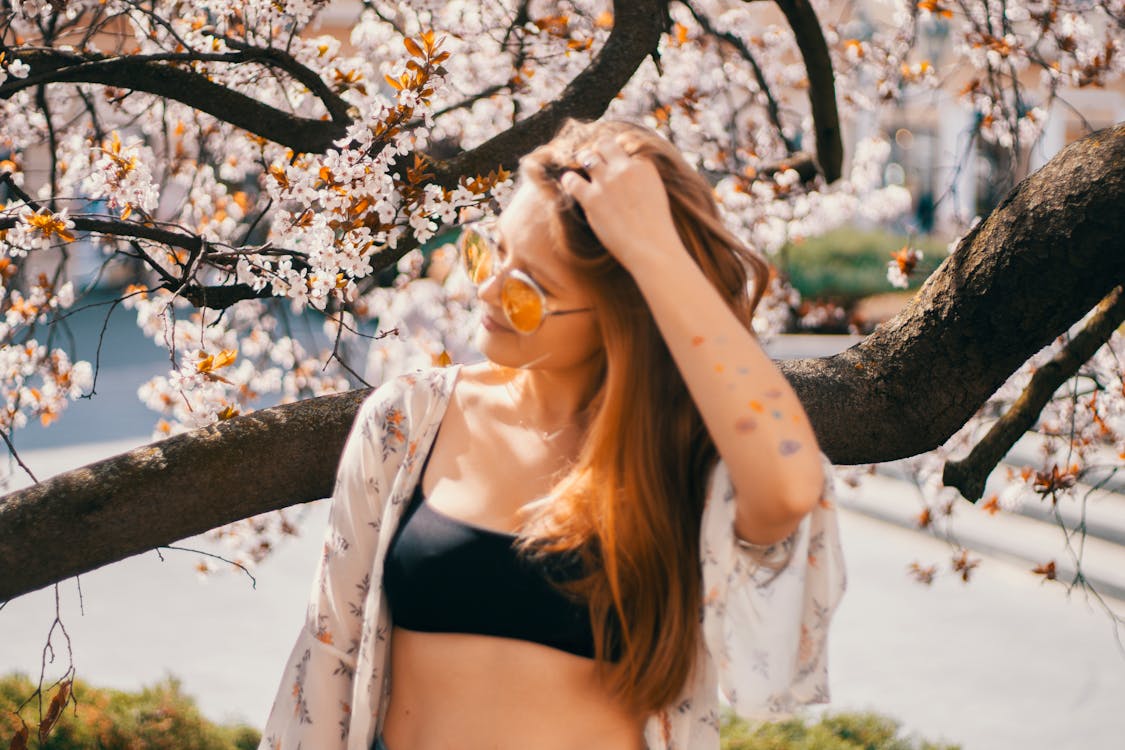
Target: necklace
x=543 y=435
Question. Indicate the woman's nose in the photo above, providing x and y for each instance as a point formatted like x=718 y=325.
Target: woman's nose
x=489 y=289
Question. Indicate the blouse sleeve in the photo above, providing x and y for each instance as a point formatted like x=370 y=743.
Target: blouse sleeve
x=767 y=608
x=313 y=703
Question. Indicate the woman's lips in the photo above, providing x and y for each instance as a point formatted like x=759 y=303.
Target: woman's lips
x=490 y=324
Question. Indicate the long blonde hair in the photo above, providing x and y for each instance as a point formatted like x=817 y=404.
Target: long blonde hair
x=631 y=505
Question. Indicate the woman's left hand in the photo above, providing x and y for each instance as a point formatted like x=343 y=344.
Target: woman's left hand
x=624 y=201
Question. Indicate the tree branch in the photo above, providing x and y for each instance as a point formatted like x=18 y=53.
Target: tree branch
x=637 y=26
x=969 y=474
x=822 y=84
x=161 y=79
x=748 y=56
x=1041 y=261
x=155 y=495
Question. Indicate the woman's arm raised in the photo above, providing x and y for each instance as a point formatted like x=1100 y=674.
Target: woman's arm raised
x=759 y=427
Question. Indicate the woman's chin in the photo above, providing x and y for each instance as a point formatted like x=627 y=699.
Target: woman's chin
x=501 y=349
x=493 y=347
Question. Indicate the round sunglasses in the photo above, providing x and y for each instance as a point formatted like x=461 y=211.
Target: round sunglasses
x=524 y=302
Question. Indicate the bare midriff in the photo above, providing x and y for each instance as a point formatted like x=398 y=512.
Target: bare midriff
x=460 y=691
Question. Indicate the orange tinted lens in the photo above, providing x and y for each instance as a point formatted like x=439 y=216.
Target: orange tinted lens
x=522 y=305
x=476 y=254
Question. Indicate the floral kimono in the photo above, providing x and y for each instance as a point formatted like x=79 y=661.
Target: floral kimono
x=765 y=610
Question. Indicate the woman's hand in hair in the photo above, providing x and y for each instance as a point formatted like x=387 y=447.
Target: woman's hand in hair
x=625 y=203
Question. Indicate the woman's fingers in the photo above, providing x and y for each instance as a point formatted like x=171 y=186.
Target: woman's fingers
x=604 y=153
x=590 y=159
x=575 y=185
x=610 y=150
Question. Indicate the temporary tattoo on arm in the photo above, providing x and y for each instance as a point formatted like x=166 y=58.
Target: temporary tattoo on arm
x=745 y=424
x=696 y=340
x=789 y=447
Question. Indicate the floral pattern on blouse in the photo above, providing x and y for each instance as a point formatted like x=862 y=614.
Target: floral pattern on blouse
x=765 y=610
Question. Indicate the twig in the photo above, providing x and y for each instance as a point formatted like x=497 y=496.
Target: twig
x=253 y=580
x=12 y=451
x=748 y=56
x=968 y=475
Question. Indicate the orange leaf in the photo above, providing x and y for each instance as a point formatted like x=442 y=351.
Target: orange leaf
x=226 y=357
x=1047 y=570
x=393 y=82
x=412 y=47
x=19 y=741
x=54 y=711
x=923 y=574
x=209 y=362
x=278 y=173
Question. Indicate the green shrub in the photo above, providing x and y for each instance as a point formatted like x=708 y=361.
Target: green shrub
x=159 y=717
x=847 y=264
x=844 y=731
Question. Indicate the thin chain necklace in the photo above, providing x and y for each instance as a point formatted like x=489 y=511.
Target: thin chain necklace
x=543 y=435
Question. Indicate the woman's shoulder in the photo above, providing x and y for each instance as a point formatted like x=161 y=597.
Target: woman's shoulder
x=409 y=389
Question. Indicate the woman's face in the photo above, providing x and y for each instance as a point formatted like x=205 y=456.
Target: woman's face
x=525 y=243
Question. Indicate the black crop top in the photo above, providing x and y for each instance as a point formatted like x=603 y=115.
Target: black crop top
x=444 y=575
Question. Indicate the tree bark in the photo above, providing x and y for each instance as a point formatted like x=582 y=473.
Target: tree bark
x=185 y=485
x=185 y=86
x=1036 y=265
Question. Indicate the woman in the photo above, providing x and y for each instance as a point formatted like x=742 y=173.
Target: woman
x=575 y=543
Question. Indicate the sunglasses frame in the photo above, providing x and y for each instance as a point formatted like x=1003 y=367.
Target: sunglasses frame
x=485 y=229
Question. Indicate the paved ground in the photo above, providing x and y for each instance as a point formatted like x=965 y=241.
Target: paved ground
x=1003 y=662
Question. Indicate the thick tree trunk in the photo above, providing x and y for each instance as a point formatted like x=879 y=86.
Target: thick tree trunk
x=1040 y=262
